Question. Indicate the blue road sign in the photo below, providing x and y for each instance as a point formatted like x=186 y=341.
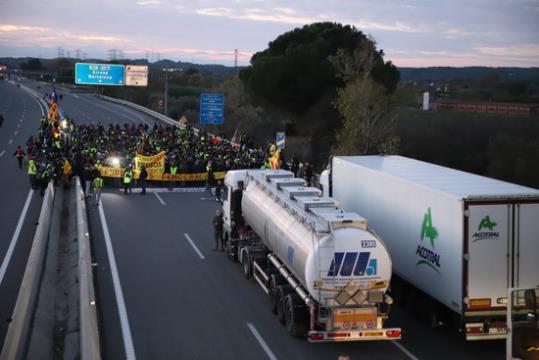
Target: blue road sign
x=212 y=108
x=99 y=74
x=279 y=139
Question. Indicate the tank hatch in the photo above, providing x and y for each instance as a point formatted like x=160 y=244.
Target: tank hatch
x=277 y=174
x=293 y=192
x=279 y=183
x=308 y=202
x=339 y=218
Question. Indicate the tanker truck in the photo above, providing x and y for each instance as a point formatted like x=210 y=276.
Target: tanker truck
x=326 y=274
x=459 y=240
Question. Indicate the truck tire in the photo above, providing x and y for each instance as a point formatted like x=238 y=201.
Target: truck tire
x=282 y=292
x=295 y=316
x=275 y=281
x=246 y=264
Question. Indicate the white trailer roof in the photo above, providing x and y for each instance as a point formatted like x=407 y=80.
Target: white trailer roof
x=453 y=182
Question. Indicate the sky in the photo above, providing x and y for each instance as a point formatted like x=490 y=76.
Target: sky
x=413 y=33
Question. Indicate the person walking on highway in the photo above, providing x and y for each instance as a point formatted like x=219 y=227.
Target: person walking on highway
x=19 y=153
x=127 y=178
x=210 y=177
x=44 y=177
x=142 y=178
x=218 y=230
x=32 y=173
x=98 y=186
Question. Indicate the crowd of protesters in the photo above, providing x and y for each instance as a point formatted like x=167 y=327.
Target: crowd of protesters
x=185 y=151
x=63 y=149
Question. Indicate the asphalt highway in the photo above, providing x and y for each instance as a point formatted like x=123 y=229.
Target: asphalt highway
x=20 y=207
x=162 y=293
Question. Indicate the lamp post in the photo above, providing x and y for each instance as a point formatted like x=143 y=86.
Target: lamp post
x=166 y=71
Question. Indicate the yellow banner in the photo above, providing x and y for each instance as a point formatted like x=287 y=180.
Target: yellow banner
x=119 y=172
x=154 y=164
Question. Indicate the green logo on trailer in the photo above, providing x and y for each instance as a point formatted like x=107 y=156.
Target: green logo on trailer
x=488 y=232
x=486 y=223
x=427 y=256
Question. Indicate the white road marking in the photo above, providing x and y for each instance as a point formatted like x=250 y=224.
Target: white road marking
x=159 y=198
x=19 y=126
x=15 y=133
x=404 y=350
x=194 y=246
x=2 y=153
x=120 y=302
x=15 y=236
x=261 y=341
x=10 y=141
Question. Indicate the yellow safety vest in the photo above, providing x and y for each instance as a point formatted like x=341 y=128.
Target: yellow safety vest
x=98 y=183
x=32 y=170
x=127 y=177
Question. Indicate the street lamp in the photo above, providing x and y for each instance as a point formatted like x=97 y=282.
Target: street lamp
x=166 y=71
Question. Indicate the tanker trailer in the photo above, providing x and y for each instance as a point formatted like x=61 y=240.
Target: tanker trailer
x=325 y=272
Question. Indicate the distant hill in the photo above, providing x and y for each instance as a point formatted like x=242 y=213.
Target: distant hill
x=219 y=72
x=472 y=73
x=417 y=75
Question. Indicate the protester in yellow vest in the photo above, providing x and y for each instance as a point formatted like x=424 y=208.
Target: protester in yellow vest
x=32 y=172
x=127 y=178
x=98 y=185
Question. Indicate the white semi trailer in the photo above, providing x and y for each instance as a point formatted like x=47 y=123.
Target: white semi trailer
x=458 y=240
x=325 y=272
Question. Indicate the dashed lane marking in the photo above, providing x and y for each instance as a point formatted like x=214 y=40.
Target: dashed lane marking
x=262 y=342
x=194 y=246
x=15 y=237
x=120 y=301
x=159 y=198
x=10 y=141
x=2 y=153
x=404 y=350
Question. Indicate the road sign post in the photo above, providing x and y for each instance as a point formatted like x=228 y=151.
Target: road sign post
x=212 y=109
x=280 y=139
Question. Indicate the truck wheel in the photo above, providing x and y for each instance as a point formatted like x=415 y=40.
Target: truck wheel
x=282 y=291
x=295 y=316
x=275 y=281
x=246 y=263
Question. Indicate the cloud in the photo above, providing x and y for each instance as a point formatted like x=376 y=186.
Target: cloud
x=530 y=51
x=12 y=28
x=149 y=3
x=291 y=16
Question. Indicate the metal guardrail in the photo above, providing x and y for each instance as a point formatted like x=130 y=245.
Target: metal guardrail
x=152 y=113
x=88 y=330
x=19 y=328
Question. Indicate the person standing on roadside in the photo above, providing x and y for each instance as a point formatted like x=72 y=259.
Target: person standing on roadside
x=142 y=178
x=127 y=178
x=32 y=173
x=98 y=186
x=19 y=153
x=218 y=230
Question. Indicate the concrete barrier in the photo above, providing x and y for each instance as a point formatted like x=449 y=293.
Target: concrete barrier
x=89 y=334
x=18 y=331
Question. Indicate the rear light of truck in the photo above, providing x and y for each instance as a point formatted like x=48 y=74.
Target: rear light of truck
x=316 y=337
x=479 y=303
x=474 y=330
x=393 y=333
